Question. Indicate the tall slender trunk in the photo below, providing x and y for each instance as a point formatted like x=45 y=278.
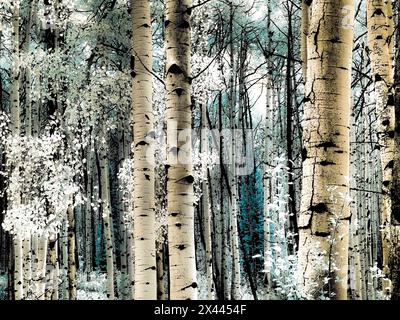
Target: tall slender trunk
x=107 y=220
x=235 y=287
x=16 y=131
x=380 y=31
x=182 y=261
x=143 y=133
x=71 y=254
x=293 y=241
x=268 y=157
x=394 y=258
x=305 y=25
x=324 y=213
x=205 y=204
x=40 y=274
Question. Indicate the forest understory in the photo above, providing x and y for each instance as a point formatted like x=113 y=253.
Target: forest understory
x=199 y=150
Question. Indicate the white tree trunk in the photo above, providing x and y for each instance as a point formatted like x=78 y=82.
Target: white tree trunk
x=183 y=283
x=143 y=127
x=324 y=213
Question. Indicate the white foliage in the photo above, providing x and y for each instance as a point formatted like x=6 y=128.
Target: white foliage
x=40 y=185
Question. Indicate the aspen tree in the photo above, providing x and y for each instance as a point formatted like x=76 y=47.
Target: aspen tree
x=394 y=258
x=380 y=31
x=143 y=132
x=16 y=131
x=52 y=268
x=324 y=222
x=206 y=208
x=162 y=285
x=182 y=262
x=235 y=287
x=71 y=254
x=64 y=261
x=267 y=179
x=107 y=220
x=305 y=25
x=27 y=242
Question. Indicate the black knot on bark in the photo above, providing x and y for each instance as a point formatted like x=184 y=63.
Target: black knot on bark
x=141 y=143
x=179 y=91
x=326 y=145
x=175 y=69
x=186 y=180
x=378 y=12
x=319 y=208
x=390 y=165
x=378 y=77
x=386 y=183
x=390 y=100
x=327 y=163
x=184 y=25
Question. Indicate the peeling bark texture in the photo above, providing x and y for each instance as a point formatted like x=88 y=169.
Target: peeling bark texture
x=324 y=212
x=380 y=31
x=143 y=127
x=182 y=262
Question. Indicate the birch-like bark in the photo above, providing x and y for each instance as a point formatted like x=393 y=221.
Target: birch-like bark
x=235 y=287
x=182 y=262
x=394 y=258
x=324 y=213
x=107 y=221
x=64 y=261
x=143 y=127
x=206 y=208
x=379 y=29
x=16 y=131
x=40 y=274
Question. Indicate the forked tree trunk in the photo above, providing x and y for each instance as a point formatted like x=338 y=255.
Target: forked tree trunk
x=182 y=262
x=143 y=127
x=324 y=213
